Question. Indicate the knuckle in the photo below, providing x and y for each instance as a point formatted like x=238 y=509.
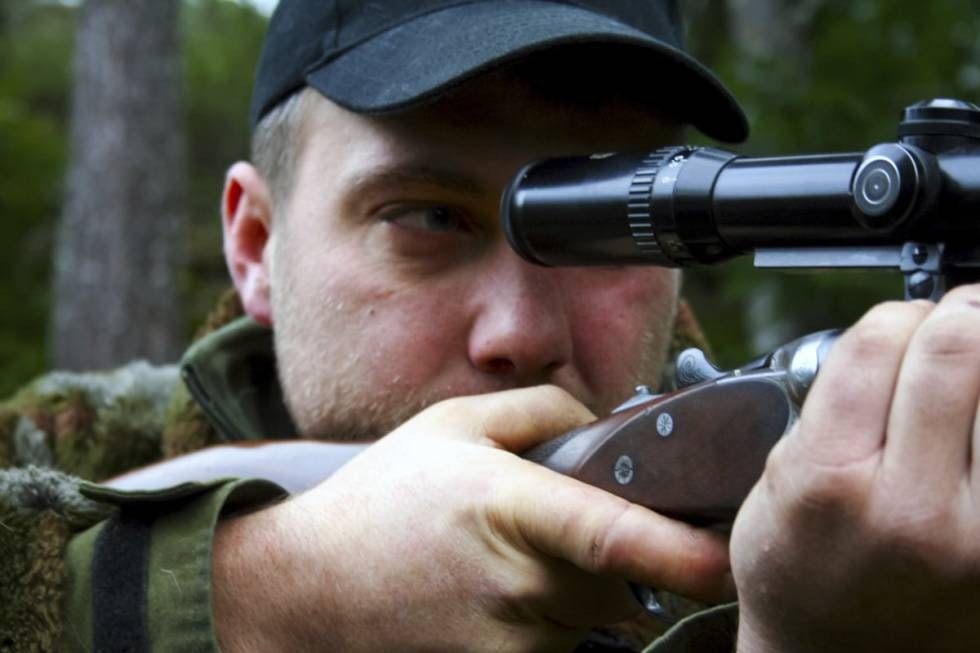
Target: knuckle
x=874 y=334
x=953 y=332
x=931 y=533
x=871 y=344
x=560 y=400
x=511 y=593
x=446 y=410
x=917 y=537
x=966 y=294
x=845 y=396
x=554 y=393
x=829 y=490
x=810 y=486
x=832 y=432
x=602 y=545
x=866 y=356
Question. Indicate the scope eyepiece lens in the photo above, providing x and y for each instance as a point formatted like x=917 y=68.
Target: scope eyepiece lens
x=877 y=187
x=885 y=187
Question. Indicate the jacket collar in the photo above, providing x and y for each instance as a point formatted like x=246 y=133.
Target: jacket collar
x=232 y=374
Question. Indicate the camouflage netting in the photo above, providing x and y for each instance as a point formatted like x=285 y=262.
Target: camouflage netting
x=62 y=428
x=40 y=509
x=92 y=425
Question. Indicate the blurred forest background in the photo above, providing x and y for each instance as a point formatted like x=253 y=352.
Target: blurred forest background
x=813 y=75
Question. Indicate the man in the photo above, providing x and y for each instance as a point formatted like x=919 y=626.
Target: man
x=365 y=234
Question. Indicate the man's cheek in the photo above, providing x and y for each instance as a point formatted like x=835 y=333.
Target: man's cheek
x=616 y=326
x=406 y=334
x=620 y=313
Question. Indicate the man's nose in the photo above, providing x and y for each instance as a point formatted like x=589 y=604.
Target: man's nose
x=521 y=329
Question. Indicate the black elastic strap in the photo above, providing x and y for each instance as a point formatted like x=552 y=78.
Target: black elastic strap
x=119 y=585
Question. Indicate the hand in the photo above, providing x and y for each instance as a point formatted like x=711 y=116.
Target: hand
x=864 y=532
x=438 y=538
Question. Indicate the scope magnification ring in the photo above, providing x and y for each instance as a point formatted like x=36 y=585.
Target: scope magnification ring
x=646 y=235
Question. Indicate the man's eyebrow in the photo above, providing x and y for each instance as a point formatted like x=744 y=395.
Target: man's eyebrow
x=415 y=174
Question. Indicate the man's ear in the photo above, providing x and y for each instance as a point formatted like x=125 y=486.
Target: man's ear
x=246 y=212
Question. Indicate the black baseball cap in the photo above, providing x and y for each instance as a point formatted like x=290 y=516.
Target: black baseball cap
x=378 y=57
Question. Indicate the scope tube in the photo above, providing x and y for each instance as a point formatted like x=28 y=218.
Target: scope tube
x=687 y=206
x=783 y=200
x=959 y=203
x=677 y=206
x=574 y=211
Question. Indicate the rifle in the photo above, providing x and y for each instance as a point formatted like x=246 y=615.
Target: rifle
x=911 y=205
x=694 y=453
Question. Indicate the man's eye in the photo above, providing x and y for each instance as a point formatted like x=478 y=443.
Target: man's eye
x=429 y=218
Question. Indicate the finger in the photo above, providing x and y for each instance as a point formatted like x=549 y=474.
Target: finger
x=513 y=419
x=935 y=405
x=606 y=535
x=844 y=417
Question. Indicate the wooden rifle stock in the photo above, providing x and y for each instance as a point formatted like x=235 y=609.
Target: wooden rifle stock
x=693 y=454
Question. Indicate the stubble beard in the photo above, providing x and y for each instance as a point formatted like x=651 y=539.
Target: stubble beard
x=331 y=398
x=337 y=406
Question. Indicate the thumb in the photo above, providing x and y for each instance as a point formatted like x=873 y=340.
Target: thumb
x=514 y=420
x=598 y=532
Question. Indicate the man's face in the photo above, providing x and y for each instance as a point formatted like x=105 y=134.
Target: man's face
x=393 y=285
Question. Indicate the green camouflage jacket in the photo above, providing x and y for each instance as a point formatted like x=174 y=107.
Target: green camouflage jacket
x=76 y=557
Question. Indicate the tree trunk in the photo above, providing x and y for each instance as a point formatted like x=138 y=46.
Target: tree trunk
x=120 y=240
x=766 y=29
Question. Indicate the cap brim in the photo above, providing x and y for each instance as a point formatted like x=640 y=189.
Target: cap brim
x=440 y=50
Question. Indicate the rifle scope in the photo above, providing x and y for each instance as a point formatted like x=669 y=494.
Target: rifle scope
x=684 y=206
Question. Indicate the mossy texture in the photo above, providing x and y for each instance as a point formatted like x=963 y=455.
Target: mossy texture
x=40 y=510
x=62 y=428
x=92 y=425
